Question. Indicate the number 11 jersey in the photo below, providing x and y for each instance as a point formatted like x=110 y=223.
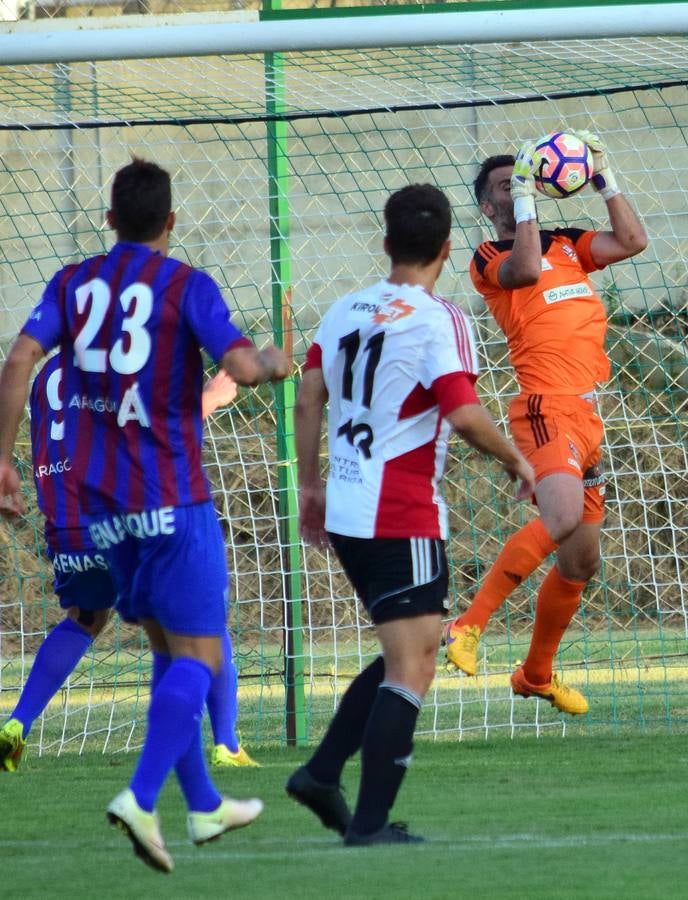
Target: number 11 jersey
x=395 y=361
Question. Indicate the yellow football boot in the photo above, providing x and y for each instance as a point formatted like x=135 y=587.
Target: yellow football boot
x=223 y=757
x=462 y=647
x=564 y=698
x=12 y=745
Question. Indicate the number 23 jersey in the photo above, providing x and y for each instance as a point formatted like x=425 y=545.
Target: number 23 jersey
x=395 y=361
x=130 y=325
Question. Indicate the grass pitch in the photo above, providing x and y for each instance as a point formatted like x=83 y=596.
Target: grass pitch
x=548 y=818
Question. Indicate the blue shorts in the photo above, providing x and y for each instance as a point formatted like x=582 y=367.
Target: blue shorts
x=169 y=565
x=83 y=579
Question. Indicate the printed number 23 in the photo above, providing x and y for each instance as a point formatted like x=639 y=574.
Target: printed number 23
x=124 y=361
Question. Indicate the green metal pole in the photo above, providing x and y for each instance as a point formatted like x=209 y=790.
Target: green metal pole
x=280 y=266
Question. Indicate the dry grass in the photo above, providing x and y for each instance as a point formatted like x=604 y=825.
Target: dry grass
x=645 y=542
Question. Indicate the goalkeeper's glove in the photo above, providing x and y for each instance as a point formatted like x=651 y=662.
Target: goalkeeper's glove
x=523 y=183
x=603 y=179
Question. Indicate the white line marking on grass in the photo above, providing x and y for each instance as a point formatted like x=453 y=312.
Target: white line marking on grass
x=535 y=844
x=317 y=846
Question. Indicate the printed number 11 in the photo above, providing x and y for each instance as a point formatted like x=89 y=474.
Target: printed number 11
x=350 y=344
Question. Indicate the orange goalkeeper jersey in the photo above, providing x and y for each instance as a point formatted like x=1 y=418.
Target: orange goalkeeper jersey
x=555 y=328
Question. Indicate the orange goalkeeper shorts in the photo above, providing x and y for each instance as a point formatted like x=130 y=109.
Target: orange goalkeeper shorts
x=562 y=434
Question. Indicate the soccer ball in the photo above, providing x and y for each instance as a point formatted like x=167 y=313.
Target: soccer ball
x=566 y=165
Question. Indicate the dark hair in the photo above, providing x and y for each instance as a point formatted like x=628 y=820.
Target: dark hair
x=141 y=201
x=492 y=162
x=418 y=221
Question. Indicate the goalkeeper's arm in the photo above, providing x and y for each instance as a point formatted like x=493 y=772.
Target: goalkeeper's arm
x=627 y=235
x=523 y=266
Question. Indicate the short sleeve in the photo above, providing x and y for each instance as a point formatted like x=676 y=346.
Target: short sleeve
x=209 y=317
x=46 y=321
x=313 y=357
x=581 y=241
x=487 y=261
x=451 y=345
x=452 y=391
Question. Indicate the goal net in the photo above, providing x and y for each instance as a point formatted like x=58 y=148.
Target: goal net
x=281 y=164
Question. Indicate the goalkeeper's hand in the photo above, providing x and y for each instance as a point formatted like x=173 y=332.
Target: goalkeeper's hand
x=603 y=179
x=523 y=183
x=523 y=177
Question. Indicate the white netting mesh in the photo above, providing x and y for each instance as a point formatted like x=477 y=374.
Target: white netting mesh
x=358 y=125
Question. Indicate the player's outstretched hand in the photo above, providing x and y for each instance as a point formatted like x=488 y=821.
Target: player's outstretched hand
x=312 y=516
x=603 y=179
x=221 y=390
x=523 y=177
x=522 y=471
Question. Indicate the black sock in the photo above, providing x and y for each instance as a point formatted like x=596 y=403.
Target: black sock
x=344 y=736
x=386 y=754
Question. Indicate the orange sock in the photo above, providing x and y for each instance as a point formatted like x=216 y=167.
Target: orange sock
x=519 y=557
x=557 y=601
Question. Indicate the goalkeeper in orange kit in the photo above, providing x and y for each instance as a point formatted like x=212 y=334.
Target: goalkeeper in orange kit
x=536 y=285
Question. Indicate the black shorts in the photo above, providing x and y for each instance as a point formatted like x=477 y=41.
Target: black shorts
x=396 y=578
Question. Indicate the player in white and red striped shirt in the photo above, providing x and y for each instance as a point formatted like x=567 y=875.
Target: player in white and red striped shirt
x=397 y=365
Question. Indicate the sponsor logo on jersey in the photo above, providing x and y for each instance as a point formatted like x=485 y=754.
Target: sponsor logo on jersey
x=343 y=469
x=132 y=407
x=147 y=524
x=546 y=265
x=594 y=477
x=567 y=292
x=359 y=306
x=393 y=311
x=83 y=562
x=93 y=404
x=57 y=468
x=569 y=251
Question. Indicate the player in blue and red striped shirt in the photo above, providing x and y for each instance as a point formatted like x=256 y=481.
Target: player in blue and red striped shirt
x=130 y=325
x=83 y=583
x=139 y=448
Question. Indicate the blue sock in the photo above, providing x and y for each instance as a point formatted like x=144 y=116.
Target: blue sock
x=222 y=699
x=174 y=717
x=200 y=793
x=198 y=789
x=56 y=659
